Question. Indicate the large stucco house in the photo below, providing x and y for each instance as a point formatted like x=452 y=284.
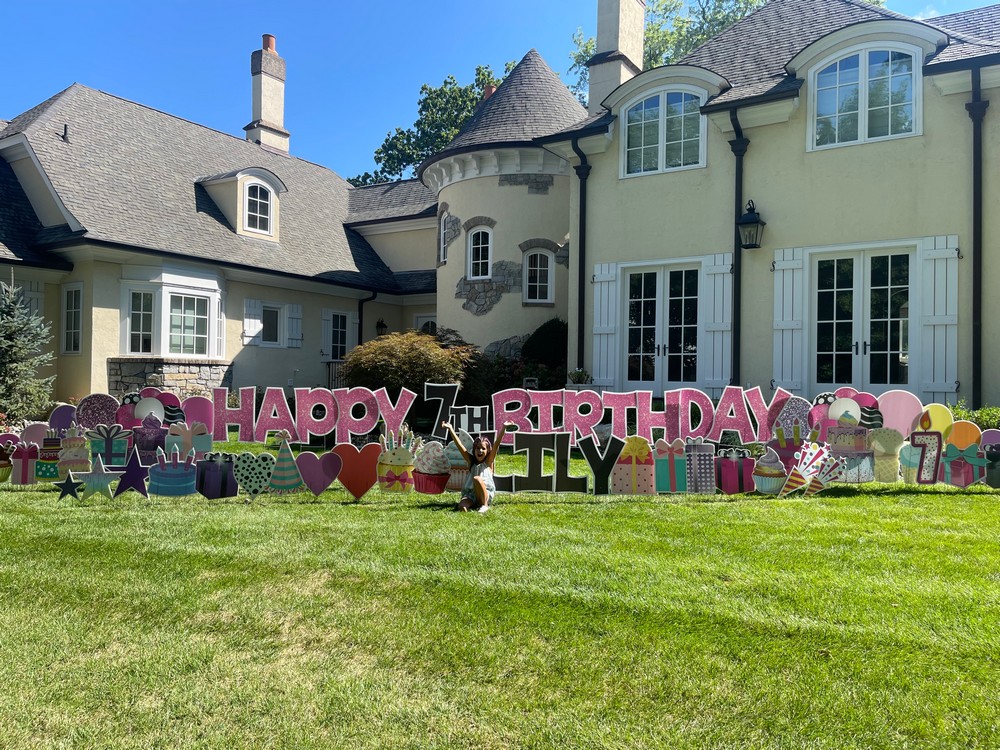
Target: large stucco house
x=163 y=251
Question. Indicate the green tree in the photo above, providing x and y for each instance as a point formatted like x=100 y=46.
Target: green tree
x=24 y=337
x=441 y=112
x=673 y=28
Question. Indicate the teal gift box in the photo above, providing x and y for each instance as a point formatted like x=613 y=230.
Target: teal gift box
x=671 y=467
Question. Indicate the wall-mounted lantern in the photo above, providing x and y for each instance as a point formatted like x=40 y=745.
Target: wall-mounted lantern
x=751 y=227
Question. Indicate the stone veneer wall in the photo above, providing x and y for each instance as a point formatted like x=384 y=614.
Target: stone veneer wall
x=185 y=377
x=481 y=295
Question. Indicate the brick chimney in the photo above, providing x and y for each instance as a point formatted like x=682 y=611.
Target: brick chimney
x=267 y=71
x=620 y=29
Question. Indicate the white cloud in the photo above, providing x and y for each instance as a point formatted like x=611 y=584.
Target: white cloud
x=929 y=12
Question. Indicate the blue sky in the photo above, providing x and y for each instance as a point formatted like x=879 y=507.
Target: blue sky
x=354 y=69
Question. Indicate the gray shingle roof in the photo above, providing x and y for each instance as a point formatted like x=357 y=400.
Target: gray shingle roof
x=128 y=175
x=982 y=23
x=405 y=199
x=752 y=53
x=531 y=102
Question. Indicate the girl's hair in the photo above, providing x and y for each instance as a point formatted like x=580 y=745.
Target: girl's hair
x=479 y=439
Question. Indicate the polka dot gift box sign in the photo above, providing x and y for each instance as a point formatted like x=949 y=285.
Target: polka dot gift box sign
x=699 y=454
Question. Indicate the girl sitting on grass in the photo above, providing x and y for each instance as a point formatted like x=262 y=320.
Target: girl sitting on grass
x=479 y=489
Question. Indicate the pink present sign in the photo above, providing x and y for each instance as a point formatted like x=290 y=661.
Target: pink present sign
x=24 y=458
x=734 y=471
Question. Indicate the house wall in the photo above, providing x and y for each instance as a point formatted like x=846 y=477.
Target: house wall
x=406 y=250
x=880 y=192
x=521 y=212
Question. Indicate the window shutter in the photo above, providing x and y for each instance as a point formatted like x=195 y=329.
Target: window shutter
x=937 y=369
x=715 y=350
x=606 y=353
x=789 y=299
x=294 y=326
x=352 y=330
x=253 y=311
x=34 y=296
x=326 y=344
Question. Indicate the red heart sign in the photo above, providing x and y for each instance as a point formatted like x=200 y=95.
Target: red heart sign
x=359 y=472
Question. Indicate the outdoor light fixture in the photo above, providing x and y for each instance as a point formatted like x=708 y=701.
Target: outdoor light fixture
x=381 y=328
x=751 y=227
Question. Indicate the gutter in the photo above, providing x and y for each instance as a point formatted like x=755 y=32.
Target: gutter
x=583 y=172
x=977 y=112
x=739 y=146
x=361 y=314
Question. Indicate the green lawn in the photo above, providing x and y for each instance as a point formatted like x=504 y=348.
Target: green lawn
x=843 y=620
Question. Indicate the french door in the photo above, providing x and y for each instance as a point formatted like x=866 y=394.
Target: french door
x=661 y=315
x=861 y=320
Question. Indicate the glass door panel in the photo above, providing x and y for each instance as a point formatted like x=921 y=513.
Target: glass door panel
x=643 y=330
x=861 y=321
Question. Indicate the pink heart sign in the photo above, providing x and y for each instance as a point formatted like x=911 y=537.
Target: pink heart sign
x=318 y=471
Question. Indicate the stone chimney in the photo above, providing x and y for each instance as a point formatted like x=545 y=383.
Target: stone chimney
x=620 y=28
x=267 y=71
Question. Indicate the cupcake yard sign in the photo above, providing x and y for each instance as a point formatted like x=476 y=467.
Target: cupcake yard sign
x=679 y=441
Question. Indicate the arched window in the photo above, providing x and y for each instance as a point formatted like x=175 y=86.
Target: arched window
x=870 y=93
x=538 y=281
x=480 y=252
x=257 y=213
x=664 y=132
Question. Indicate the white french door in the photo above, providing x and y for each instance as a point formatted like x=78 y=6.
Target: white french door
x=861 y=320
x=661 y=327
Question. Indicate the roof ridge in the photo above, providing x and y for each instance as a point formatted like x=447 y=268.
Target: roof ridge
x=20 y=123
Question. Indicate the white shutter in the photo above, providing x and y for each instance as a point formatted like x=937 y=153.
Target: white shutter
x=789 y=301
x=715 y=349
x=606 y=353
x=326 y=343
x=937 y=369
x=352 y=330
x=34 y=296
x=253 y=311
x=294 y=326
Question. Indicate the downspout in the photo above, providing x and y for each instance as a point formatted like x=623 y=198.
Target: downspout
x=361 y=314
x=977 y=111
x=583 y=172
x=739 y=146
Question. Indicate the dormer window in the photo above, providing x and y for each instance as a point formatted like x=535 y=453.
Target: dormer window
x=664 y=131
x=258 y=208
x=870 y=93
x=250 y=199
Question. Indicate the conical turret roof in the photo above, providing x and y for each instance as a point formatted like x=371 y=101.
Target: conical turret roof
x=531 y=102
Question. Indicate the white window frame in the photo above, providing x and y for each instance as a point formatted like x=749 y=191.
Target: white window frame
x=489 y=253
x=271 y=207
x=549 y=284
x=127 y=311
x=443 y=240
x=862 y=51
x=208 y=336
x=220 y=327
x=67 y=289
x=701 y=95
x=162 y=284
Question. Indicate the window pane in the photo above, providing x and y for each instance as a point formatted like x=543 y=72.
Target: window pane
x=847 y=128
x=826 y=103
x=827 y=77
x=878 y=64
x=901 y=119
x=269 y=333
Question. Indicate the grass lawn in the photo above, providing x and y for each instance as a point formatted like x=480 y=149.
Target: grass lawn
x=843 y=620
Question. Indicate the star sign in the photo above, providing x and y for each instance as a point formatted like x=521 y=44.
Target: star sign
x=134 y=476
x=69 y=487
x=97 y=481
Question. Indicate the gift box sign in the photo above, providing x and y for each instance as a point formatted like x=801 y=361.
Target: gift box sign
x=110 y=442
x=699 y=456
x=671 y=466
x=634 y=472
x=960 y=468
x=215 y=478
x=734 y=471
